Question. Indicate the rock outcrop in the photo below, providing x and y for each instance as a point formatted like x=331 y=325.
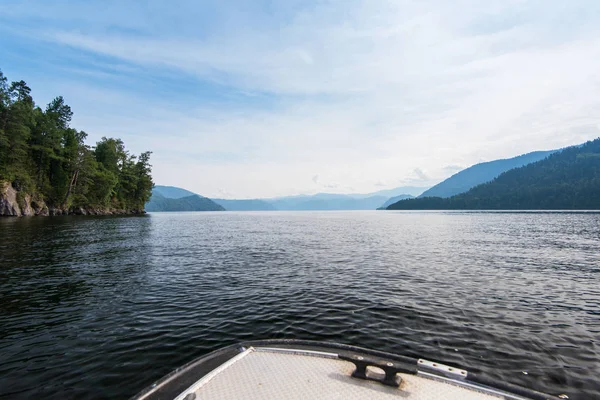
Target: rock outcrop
x=8 y=200
x=14 y=205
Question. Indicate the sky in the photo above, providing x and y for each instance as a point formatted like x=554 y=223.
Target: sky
x=245 y=99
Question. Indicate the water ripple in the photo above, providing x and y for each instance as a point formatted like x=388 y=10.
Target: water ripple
x=99 y=307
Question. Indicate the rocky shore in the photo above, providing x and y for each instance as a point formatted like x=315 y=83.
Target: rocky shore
x=12 y=204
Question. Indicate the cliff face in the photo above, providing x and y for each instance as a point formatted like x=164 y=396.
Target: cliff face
x=8 y=200
x=9 y=203
x=13 y=204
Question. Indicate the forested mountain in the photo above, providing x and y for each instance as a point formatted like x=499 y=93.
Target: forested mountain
x=46 y=167
x=189 y=203
x=394 y=199
x=171 y=192
x=481 y=173
x=567 y=179
x=245 y=205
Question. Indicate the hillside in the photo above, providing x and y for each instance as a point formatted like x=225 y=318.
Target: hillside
x=189 y=203
x=481 y=173
x=171 y=192
x=401 y=190
x=394 y=199
x=567 y=180
x=245 y=205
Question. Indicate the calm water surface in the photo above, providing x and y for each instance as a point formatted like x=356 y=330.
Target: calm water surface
x=100 y=307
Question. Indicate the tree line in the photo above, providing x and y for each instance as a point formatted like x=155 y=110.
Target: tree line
x=43 y=156
x=566 y=180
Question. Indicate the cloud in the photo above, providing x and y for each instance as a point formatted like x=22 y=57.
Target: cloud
x=420 y=174
x=452 y=169
x=250 y=99
x=224 y=193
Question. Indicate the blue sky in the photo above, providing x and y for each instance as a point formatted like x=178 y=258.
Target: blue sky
x=268 y=98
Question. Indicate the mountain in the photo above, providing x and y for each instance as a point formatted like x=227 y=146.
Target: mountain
x=319 y=201
x=566 y=180
x=171 y=192
x=325 y=201
x=189 y=203
x=481 y=173
x=245 y=205
x=335 y=201
x=401 y=190
x=394 y=199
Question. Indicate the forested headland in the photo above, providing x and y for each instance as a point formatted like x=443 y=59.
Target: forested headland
x=568 y=179
x=46 y=168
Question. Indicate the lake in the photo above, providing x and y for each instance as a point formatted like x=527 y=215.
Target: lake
x=100 y=307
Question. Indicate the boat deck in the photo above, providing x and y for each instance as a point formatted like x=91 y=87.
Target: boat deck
x=271 y=373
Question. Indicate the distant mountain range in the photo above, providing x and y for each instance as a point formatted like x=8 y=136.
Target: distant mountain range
x=172 y=192
x=456 y=184
x=171 y=198
x=481 y=173
x=468 y=182
x=568 y=179
x=401 y=190
x=245 y=205
x=394 y=199
x=333 y=201
x=184 y=202
x=324 y=201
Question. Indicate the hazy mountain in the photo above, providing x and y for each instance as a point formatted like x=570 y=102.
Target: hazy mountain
x=482 y=173
x=171 y=192
x=566 y=180
x=401 y=190
x=325 y=201
x=335 y=201
x=189 y=203
x=245 y=205
x=319 y=201
x=394 y=199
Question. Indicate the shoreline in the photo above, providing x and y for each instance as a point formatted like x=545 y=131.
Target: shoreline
x=14 y=204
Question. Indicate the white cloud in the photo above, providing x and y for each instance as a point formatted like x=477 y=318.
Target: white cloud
x=452 y=169
x=420 y=174
x=360 y=96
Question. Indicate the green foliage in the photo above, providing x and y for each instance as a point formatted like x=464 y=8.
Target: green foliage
x=566 y=180
x=42 y=155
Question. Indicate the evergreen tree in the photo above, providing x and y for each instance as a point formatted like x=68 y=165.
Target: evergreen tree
x=4 y=108
x=42 y=155
x=19 y=122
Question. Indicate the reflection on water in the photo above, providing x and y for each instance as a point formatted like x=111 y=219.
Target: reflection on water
x=98 y=307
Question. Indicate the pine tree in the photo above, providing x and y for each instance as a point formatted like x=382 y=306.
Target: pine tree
x=41 y=155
